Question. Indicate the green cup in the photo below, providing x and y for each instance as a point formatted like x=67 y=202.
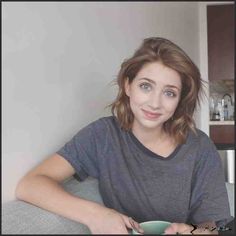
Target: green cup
x=153 y=227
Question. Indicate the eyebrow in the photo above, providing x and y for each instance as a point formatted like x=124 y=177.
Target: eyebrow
x=153 y=82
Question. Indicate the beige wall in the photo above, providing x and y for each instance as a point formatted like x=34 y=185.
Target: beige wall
x=58 y=60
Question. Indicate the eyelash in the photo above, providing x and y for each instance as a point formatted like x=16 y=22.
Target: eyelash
x=171 y=93
x=145 y=84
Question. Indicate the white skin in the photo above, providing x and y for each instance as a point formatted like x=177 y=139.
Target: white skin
x=156 y=89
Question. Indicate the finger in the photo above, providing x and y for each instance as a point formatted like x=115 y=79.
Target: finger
x=184 y=228
x=170 y=230
x=137 y=226
x=132 y=224
x=177 y=228
x=127 y=221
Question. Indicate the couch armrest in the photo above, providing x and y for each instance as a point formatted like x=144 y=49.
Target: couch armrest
x=19 y=217
x=230 y=191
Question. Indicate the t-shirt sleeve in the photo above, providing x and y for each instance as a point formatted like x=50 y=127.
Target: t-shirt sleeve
x=81 y=152
x=209 y=198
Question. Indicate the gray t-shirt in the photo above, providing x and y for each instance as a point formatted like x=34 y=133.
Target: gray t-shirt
x=188 y=186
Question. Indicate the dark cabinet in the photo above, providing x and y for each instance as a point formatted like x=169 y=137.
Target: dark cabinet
x=222 y=134
x=220 y=34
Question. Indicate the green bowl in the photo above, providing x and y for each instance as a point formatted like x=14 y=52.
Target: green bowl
x=153 y=227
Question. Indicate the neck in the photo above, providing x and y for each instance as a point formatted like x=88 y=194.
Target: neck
x=149 y=136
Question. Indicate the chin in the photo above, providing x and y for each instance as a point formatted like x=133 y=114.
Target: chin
x=149 y=124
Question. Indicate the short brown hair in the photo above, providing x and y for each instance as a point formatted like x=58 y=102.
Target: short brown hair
x=161 y=50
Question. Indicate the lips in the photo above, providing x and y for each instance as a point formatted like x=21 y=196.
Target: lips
x=151 y=115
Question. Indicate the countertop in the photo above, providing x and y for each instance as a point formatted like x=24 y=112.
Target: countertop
x=225 y=146
x=224 y=122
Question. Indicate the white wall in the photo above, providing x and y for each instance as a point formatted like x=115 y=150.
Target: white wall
x=58 y=61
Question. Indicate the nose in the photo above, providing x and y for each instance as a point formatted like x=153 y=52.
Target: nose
x=155 y=101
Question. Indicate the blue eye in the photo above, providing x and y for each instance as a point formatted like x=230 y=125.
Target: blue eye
x=170 y=94
x=145 y=86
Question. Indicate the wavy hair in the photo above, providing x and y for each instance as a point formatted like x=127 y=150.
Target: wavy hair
x=156 y=49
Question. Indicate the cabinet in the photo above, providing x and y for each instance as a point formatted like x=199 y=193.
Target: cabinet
x=222 y=135
x=221 y=44
x=220 y=34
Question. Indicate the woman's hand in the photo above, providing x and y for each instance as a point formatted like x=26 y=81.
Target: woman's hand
x=109 y=221
x=182 y=228
x=179 y=228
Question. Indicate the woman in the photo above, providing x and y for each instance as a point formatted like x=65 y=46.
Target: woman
x=151 y=161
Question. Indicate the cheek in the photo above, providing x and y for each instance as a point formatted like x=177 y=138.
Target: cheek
x=171 y=106
x=137 y=98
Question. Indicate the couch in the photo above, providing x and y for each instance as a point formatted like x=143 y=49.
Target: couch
x=19 y=217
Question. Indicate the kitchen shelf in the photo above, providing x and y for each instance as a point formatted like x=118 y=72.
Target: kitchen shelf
x=225 y=122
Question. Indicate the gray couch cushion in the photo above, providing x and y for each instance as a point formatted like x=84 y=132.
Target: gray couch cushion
x=19 y=217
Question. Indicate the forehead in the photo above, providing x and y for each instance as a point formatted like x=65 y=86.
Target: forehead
x=160 y=73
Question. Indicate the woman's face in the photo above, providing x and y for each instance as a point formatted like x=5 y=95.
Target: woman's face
x=154 y=95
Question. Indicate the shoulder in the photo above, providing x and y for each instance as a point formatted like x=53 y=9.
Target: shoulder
x=101 y=126
x=204 y=147
x=96 y=130
x=105 y=122
x=100 y=122
x=200 y=139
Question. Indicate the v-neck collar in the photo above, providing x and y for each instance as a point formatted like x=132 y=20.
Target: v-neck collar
x=149 y=152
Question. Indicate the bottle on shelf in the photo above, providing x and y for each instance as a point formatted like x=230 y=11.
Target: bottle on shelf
x=216 y=114
x=221 y=109
x=226 y=112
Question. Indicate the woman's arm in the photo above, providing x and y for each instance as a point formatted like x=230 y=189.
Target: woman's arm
x=41 y=187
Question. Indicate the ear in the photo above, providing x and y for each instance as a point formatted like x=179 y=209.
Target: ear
x=127 y=87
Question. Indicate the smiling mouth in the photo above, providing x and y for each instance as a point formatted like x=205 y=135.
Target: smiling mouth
x=150 y=114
